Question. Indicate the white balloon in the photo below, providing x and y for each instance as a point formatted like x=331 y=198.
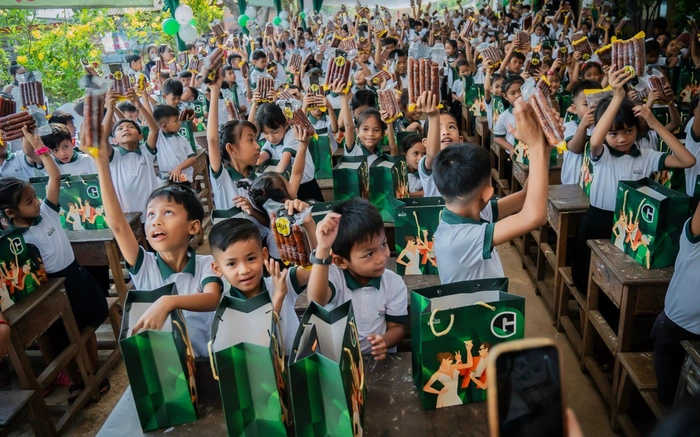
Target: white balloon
x=284 y=15
x=184 y=14
x=284 y=24
x=251 y=12
x=188 y=33
x=306 y=11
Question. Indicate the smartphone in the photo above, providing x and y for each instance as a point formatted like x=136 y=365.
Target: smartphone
x=525 y=392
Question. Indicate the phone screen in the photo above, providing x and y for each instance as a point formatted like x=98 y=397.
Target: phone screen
x=529 y=393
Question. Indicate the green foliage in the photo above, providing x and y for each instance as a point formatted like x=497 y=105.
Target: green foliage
x=685 y=8
x=205 y=11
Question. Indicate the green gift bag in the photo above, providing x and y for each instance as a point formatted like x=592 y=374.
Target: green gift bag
x=187 y=131
x=326 y=373
x=687 y=85
x=80 y=201
x=351 y=178
x=388 y=184
x=497 y=108
x=671 y=178
x=270 y=166
x=21 y=271
x=322 y=155
x=320 y=209
x=521 y=154
x=586 y=170
x=648 y=222
x=416 y=222
x=247 y=354
x=453 y=327
x=219 y=215
x=159 y=364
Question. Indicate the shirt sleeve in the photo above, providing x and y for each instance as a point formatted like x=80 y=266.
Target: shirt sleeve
x=336 y=282
x=500 y=130
x=570 y=129
x=397 y=305
x=145 y=263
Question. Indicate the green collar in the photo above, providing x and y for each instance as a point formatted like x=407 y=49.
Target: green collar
x=236 y=176
x=167 y=135
x=260 y=70
x=332 y=94
x=451 y=218
x=22 y=229
x=634 y=152
x=366 y=152
x=354 y=285
x=72 y=158
x=234 y=292
x=166 y=271
x=124 y=151
x=10 y=155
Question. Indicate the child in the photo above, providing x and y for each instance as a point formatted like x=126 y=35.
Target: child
x=462 y=82
x=175 y=155
x=412 y=146
x=17 y=164
x=354 y=231
x=40 y=225
x=134 y=62
x=259 y=67
x=172 y=92
x=513 y=63
x=410 y=122
x=130 y=111
x=493 y=85
x=239 y=257
x=371 y=129
x=472 y=224
x=325 y=122
x=282 y=145
x=501 y=133
x=69 y=160
x=173 y=215
x=615 y=156
x=681 y=315
x=577 y=132
x=65 y=118
x=692 y=143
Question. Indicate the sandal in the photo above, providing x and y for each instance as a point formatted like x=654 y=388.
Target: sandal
x=74 y=392
x=104 y=387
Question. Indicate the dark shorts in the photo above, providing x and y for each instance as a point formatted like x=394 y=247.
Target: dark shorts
x=310 y=191
x=595 y=224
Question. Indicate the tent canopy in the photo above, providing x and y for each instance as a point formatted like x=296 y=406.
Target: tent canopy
x=80 y=4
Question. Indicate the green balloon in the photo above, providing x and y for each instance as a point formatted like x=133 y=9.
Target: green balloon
x=243 y=20
x=193 y=23
x=171 y=26
x=302 y=16
x=277 y=21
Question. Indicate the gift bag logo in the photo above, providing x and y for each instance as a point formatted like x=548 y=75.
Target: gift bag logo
x=504 y=324
x=16 y=246
x=93 y=192
x=648 y=212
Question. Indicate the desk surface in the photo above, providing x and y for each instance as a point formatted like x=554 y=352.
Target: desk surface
x=393 y=408
x=15 y=313
x=625 y=269
x=93 y=235
x=567 y=198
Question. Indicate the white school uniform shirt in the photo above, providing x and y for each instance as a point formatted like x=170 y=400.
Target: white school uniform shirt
x=16 y=165
x=692 y=143
x=501 y=130
x=360 y=150
x=255 y=74
x=323 y=127
x=414 y=183
x=465 y=246
x=458 y=87
x=384 y=299
x=150 y=272
x=571 y=167
x=134 y=177
x=291 y=145
x=80 y=164
x=426 y=179
x=649 y=141
x=488 y=106
x=172 y=150
x=682 y=305
x=49 y=237
x=612 y=167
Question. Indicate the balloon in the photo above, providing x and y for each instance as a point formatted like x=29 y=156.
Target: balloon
x=306 y=11
x=183 y=14
x=284 y=15
x=285 y=25
x=277 y=21
x=250 y=11
x=243 y=20
x=170 y=26
x=188 y=33
x=302 y=16
x=193 y=22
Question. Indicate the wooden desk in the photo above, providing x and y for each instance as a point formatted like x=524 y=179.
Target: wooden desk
x=634 y=290
x=98 y=247
x=326 y=186
x=201 y=139
x=499 y=176
x=13 y=405
x=566 y=205
x=28 y=320
x=392 y=408
x=482 y=131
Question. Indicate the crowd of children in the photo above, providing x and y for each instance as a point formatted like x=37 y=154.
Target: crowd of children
x=619 y=139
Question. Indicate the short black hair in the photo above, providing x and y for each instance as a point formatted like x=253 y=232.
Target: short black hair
x=162 y=113
x=194 y=91
x=363 y=98
x=59 y=133
x=190 y=46
x=651 y=46
x=226 y=68
x=588 y=65
x=409 y=140
x=231 y=231
x=61 y=117
x=624 y=117
x=460 y=169
x=172 y=86
x=585 y=85
x=127 y=106
x=182 y=195
x=360 y=221
x=389 y=41
x=185 y=74
x=15 y=68
x=519 y=55
x=509 y=80
x=125 y=120
x=270 y=115
x=397 y=53
x=132 y=58
x=259 y=54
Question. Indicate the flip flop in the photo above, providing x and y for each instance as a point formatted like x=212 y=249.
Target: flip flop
x=74 y=392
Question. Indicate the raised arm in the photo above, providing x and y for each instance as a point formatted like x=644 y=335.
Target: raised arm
x=54 y=185
x=213 y=146
x=681 y=157
x=299 y=162
x=327 y=230
x=427 y=104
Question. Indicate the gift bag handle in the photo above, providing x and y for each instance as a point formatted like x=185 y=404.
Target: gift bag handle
x=276 y=319
x=211 y=362
x=352 y=362
x=452 y=319
x=190 y=355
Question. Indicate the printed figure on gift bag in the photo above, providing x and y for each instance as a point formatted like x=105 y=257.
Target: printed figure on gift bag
x=451 y=367
x=410 y=257
x=477 y=376
x=417 y=256
x=82 y=197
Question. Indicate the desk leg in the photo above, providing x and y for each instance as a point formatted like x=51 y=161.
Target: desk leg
x=588 y=329
x=560 y=260
x=116 y=266
x=624 y=336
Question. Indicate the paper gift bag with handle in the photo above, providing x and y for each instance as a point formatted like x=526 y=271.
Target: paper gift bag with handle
x=219 y=215
x=388 y=184
x=247 y=357
x=326 y=373
x=351 y=178
x=159 y=364
x=648 y=222
x=80 y=201
x=416 y=222
x=21 y=270
x=671 y=178
x=271 y=166
x=453 y=326
x=319 y=210
x=322 y=154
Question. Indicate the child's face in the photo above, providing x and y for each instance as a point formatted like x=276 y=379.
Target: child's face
x=187 y=95
x=274 y=136
x=29 y=206
x=623 y=139
x=316 y=113
x=463 y=71
x=272 y=71
x=247 y=151
x=358 y=111
x=236 y=63
x=414 y=155
x=64 y=151
x=167 y=226
x=581 y=104
x=371 y=133
x=554 y=81
x=402 y=65
x=515 y=65
x=198 y=81
x=652 y=58
x=360 y=79
x=593 y=73
x=414 y=115
x=498 y=87
x=513 y=92
x=171 y=126
x=261 y=63
x=364 y=57
x=172 y=99
x=368 y=259
x=137 y=65
x=230 y=76
x=241 y=264
x=127 y=133
x=539 y=31
x=449 y=131
x=449 y=50
x=71 y=127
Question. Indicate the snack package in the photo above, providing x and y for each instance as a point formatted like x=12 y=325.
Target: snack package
x=316 y=92
x=379 y=27
x=491 y=54
x=659 y=82
x=182 y=60
x=604 y=54
x=582 y=45
x=338 y=69
x=7 y=106
x=266 y=84
x=684 y=40
x=217 y=29
x=295 y=116
x=389 y=102
x=552 y=127
x=212 y=64
x=348 y=44
x=563 y=54
x=269 y=30
x=90 y=69
x=121 y=83
x=232 y=110
x=11 y=126
x=290 y=234
x=295 y=61
x=468 y=27
x=95 y=90
x=186 y=113
x=194 y=64
x=642 y=88
x=522 y=41
x=382 y=75
x=532 y=66
x=544 y=86
x=595 y=96
x=629 y=54
x=31 y=89
x=423 y=75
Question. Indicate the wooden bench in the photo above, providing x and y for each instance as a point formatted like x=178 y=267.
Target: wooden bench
x=637 y=373
x=499 y=176
x=482 y=131
x=14 y=404
x=566 y=289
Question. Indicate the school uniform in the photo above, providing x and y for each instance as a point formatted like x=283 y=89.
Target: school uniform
x=309 y=188
x=414 y=183
x=288 y=316
x=680 y=319
x=255 y=74
x=79 y=164
x=134 y=177
x=426 y=179
x=172 y=150
x=571 y=167
x=466 y=246
x=650 y=141
x=240 y=97
x=150 y=272
x=323 y=128
x=692 y=143
x=360 y=150
x=16 y=165
x=500 y=130
x=383 y=299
